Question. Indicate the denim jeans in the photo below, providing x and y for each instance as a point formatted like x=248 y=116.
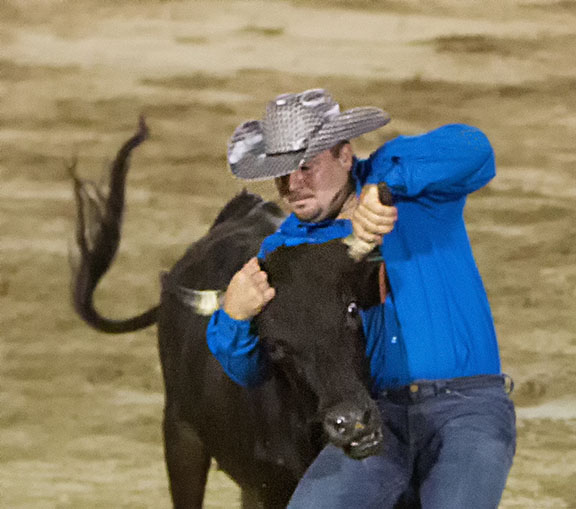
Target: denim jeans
x=445 y=447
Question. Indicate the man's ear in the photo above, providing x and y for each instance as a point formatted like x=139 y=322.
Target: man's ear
x=346 y=156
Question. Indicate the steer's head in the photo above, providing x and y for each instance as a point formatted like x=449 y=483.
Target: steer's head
x=313 y=333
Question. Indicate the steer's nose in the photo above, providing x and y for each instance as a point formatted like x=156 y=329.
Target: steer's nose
x=347 y=426
x=357 y=431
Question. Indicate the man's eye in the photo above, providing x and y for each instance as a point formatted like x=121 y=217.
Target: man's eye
x=353 y=309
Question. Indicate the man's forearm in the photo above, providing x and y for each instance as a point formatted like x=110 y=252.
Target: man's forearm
x=450 y=161
x=237 y=349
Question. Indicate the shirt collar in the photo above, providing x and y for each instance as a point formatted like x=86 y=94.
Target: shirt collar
x=325 y=230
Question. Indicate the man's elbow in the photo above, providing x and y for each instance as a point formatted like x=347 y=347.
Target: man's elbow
x=477 y=147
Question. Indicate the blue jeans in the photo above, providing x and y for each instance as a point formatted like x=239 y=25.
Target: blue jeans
x=448 y=444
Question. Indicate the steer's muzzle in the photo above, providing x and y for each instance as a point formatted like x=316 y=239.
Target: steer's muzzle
x=355 y=430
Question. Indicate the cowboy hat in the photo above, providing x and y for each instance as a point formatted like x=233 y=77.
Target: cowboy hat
x=295 y=128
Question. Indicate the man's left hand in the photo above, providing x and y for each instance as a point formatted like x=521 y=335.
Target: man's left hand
x=371 y=220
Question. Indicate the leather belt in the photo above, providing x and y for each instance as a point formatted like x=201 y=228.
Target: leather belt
x=424 y=389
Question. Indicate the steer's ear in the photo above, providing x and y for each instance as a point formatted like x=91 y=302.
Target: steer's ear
x=367 y=284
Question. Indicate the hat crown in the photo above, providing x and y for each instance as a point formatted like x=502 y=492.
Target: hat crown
x=291 y=119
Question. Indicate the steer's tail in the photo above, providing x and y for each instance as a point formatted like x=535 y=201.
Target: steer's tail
x=98 y=226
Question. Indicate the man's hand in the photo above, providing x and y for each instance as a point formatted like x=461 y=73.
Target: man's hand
x=248 y=292
x=371 y=220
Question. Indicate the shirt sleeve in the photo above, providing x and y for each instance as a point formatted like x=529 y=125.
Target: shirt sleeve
x=446 y=163
x=237 y=348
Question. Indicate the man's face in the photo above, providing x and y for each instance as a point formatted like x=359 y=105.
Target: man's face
x=318 y=188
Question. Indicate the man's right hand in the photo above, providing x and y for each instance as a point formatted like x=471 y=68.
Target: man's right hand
x=248 y=292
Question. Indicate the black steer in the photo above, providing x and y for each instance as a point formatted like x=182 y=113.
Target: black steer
x=316 y=384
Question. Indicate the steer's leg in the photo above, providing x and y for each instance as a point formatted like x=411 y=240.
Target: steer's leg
x=187 y=461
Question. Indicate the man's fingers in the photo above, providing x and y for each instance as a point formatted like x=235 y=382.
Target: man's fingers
x=371 y=219
x=251 y=266
x=370 y=198
x=368 y=237
x=259 y=277
x=261 y=286
x=260 y=297
x=269 y=294
x=248 y=292
x=260 y=281
x=366 y=227
x=388 y=216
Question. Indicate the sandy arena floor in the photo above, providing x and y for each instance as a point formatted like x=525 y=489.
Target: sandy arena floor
x=80 y=412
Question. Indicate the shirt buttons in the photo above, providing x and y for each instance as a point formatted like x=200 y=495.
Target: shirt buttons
x=394 y=340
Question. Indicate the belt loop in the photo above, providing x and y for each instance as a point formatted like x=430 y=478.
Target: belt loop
x=440 y=387
x=508 y=383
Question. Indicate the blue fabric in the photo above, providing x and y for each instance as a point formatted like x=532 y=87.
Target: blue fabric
x=436 y=323
x=459 y=445
x=293 y=232
x=236 y=347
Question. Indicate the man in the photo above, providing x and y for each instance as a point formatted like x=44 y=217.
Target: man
x=449 y=426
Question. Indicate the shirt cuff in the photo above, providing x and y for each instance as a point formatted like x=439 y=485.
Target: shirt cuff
x=233 y=336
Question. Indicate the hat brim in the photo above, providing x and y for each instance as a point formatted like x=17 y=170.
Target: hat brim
x=265 y=167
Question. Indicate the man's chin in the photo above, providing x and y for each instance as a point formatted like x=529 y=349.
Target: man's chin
x=303 y=211
x=308 y=212
x=309 y=216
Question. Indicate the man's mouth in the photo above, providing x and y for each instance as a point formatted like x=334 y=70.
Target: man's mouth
x=299 y=198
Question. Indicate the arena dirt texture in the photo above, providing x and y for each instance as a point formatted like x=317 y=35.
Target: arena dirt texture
x=80 y=412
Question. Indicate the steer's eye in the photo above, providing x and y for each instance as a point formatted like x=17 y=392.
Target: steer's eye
x=352 y=309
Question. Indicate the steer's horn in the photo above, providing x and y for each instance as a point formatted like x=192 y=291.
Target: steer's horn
x=202 y=302
x=358 y=249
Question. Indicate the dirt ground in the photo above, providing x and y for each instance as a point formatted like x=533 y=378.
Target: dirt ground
x=80 y=412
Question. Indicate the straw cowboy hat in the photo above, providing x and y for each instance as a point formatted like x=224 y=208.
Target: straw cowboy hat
x=295 y=128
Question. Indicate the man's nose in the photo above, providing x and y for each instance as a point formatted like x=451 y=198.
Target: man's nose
x=289 y=183
x=295 y=179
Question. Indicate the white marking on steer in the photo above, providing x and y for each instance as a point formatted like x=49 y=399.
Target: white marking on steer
x=357 y=248
x=205 y=302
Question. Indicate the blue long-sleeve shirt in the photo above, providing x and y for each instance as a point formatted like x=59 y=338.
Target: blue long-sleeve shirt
x=436 y=321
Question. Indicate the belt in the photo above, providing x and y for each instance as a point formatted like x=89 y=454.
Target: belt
x=420 y=390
